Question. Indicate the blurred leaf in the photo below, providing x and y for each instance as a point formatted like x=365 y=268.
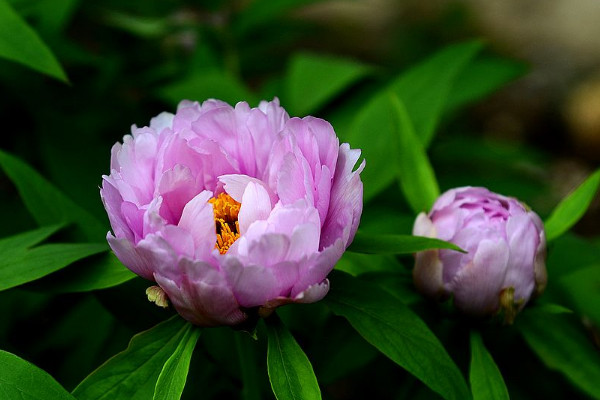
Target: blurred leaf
x=290 y=371
x=372 y=243
x=582 y=287
x=569 y=253
x=100 y=272
x=145 y=27
x=371 y=131
x=132 y=374
x=345 y=351
x=425 y=88
x=20 y=43
x=51 y=16
x=20 y=379
x=480 y=78
x=562 y=345
x=45 y=202
x=551 y=308
x=486 y=380
x=572 y=207
x=386 y=220
x=417 y=179
x=313 y=80
x=260 y=12
x=359 y=263
x=206 y=85
x=248 y=363
x=399 y=284
x=20 y=264
x=171 y=380
x=20 y=242
x=397 y=332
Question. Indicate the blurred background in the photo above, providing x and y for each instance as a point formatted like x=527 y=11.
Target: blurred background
x=524 y=121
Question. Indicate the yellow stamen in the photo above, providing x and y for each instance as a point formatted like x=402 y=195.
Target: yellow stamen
x=226 y=211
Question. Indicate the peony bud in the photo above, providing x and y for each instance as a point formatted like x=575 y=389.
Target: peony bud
x=506 y=250
x=232 y=211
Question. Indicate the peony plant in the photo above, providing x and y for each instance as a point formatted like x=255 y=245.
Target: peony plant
x=505 y=244
x=232 y=211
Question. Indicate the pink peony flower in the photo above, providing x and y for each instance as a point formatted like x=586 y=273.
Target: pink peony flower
x=506 y=252
x=232 y=210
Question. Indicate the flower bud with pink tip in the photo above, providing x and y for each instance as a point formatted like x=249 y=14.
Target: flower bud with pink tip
x=504 y=264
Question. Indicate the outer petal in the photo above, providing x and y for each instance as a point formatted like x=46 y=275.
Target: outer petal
x=477 y=285
x=345 y=209
x=427 y=274
x=252 y=285
x=129 y=255
x=201 y=295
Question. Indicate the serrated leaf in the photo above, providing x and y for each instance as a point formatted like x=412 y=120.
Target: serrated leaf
x=20 y=379
x=313 y=80
x=132 y=374
x=415 y=173
x=206 y=85
x=20 y=43
x=390 y=326
x=425 y=88
x=485 y=377
x=22 y=264
x=572 y=207
x=561 y=344
x=45 y=202
x=171 y=380
x=290 y=372
x=372 y=243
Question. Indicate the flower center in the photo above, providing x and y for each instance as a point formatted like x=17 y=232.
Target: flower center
x=226 y=211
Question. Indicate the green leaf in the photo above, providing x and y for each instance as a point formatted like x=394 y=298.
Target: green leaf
x=248 y=362
x=390 y=326
x=292 y=376
x=132 y=374
x=20 y=242
x=20 y=379
x=562 y=344
x=425 y=88
x=480 y=78
x=100 y=272
x=20 y=43
x=417 y=179
x=372 y=131
x=171 y=380
x=572 y=207
x=313 y=80
x=486 y=380
x=206 y=85
x=45 y=202
x=372 y=243
x=21 y=264
x=582 y=288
